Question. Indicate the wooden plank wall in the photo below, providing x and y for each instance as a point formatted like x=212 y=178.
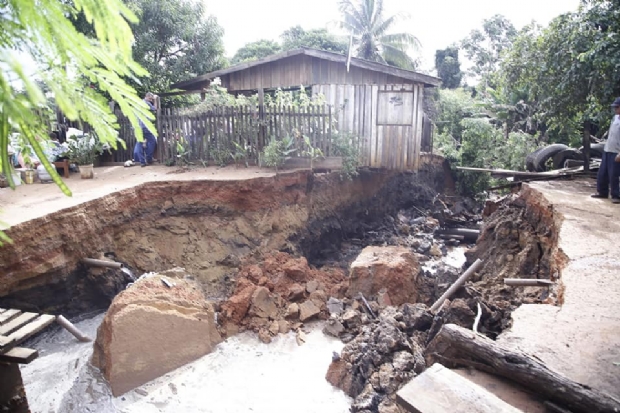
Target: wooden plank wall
x=386 y=119
x=294 y=71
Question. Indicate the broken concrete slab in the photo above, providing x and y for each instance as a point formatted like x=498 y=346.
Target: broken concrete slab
x=151 y=329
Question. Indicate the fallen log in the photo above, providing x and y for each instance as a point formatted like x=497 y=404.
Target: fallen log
x=468 y=234
x=527 y=282
x=456 y=346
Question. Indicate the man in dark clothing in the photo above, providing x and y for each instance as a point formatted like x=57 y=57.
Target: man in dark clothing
x=143 y=151
x=609 y=172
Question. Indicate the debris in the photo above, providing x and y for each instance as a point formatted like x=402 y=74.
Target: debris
x=477 y=321
x=167 y=283
x=335 y=306
x=67 y=325
x=142 y=392
x=333 y=327
x=312 y=286
x=457 y=284
x=300 y=337
x=292 y=312
x=361 y=296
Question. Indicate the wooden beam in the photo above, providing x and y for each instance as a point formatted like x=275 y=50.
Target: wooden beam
x=524 y=282
x=19 y=355
x=32 y=328
x=8 y=315
x=17 y=322
x=457 y=346
x=6 y=343
x=440 y=390
x=330 y=162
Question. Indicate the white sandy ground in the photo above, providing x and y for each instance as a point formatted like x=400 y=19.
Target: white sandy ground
x=241 y=375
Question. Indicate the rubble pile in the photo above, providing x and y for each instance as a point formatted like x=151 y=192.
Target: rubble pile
x=278 y=295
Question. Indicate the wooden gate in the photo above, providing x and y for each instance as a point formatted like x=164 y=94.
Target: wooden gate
x=388 y=120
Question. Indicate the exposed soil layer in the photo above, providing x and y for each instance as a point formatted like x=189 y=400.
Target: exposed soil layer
x=207 y=227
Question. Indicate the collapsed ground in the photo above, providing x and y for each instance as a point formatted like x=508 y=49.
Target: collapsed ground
x=248 y=245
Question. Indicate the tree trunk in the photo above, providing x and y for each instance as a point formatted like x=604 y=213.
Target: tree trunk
x=457 y=346
x=586 y=145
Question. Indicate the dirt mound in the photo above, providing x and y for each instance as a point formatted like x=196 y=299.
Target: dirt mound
x=518 y=240
x=279 y=293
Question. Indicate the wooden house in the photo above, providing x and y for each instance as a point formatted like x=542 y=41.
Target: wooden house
x=380 y=104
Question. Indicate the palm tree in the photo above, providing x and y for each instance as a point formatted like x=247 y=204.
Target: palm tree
x=366 y=24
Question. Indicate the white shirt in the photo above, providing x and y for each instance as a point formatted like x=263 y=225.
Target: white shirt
x=613 y=140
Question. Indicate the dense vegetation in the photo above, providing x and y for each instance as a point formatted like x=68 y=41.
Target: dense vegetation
x=535 y=86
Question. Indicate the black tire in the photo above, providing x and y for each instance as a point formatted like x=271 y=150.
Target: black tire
x=560 y=158
x=545 y=154
x=529 y=160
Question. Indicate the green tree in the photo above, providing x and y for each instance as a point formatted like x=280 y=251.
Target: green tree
x=175 y=41
x=256 y=50
x=41 y=33
x=366 y=22
x=320 y=39
x=571 y=68
x=448 y=67
x=485 y=46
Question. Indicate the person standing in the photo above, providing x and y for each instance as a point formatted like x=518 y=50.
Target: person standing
x=143 y=151
x=609 y=172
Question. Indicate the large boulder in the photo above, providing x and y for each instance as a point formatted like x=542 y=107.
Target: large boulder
x=151 y=329
x=393 y=268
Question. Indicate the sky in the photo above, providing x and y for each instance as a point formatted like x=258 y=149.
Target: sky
x=436 y=23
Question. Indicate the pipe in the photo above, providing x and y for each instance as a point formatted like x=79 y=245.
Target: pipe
x=457 y=284
x=92 y=262
x=72 y=329
x=527 y=282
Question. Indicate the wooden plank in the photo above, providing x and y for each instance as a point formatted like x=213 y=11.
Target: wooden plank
x=440 y=390
x=418 y=131
x=19 y=355
x=32 y=328
x=2 y=310
x=6 y=343
x=8 y=315
x=374 y=134
x=17 y=322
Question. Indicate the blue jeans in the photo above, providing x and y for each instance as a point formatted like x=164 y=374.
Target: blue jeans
x=145 y=155
x=609 y=175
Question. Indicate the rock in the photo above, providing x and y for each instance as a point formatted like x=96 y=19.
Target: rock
x=333 y=327
x=150 y=330
x=336 y=373
x=319 y=298
x=435 y=251
x=351 y=318
x=458 y=312
x=254 y=273
x=284 y=326
x=335 y=306
x=263 y=304
x=369 y=400
x=383 y=298
x=312 y=286
x=296 y=269
x=295 y=292
x=237 y=306
x=388 y=406
x=386 y=378
x=263 y=335
x=403 y=361
x=307 y=310
x=292 y=312
x=424 y=247
x=393 y=268
x=417 y=316
x=274 y=328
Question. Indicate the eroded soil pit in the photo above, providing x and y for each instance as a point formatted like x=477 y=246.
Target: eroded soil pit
x=274 y=253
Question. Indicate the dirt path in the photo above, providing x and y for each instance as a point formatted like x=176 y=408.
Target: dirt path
x=580 y=339
x=34 y=201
